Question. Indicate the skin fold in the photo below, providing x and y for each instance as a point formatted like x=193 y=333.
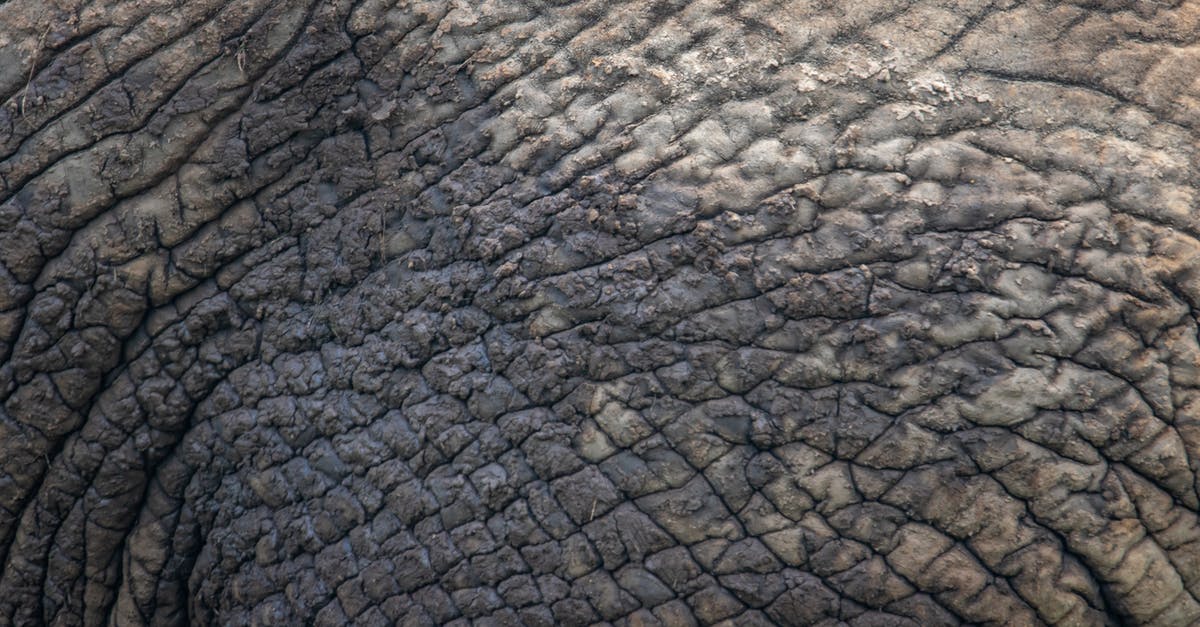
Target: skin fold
x=634 y=312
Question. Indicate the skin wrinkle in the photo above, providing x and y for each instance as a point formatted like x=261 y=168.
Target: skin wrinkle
x=666 y=312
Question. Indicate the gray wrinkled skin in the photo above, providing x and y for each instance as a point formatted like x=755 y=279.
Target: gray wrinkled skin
x=638 y=311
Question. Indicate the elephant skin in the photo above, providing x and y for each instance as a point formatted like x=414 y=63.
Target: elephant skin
x=637 y=312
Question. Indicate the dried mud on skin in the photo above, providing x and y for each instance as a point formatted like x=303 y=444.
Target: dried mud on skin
x=646 y=312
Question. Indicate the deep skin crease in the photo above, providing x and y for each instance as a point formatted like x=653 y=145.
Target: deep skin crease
x=629 y=311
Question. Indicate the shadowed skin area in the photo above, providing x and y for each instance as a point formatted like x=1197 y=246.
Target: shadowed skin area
x=642 y=312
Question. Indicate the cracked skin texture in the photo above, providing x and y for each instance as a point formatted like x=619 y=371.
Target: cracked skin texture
x=639 y=312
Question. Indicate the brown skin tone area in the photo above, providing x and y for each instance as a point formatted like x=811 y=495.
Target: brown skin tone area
x=572 y=312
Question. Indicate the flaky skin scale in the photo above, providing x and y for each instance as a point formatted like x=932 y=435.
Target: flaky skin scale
x=645 y=312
